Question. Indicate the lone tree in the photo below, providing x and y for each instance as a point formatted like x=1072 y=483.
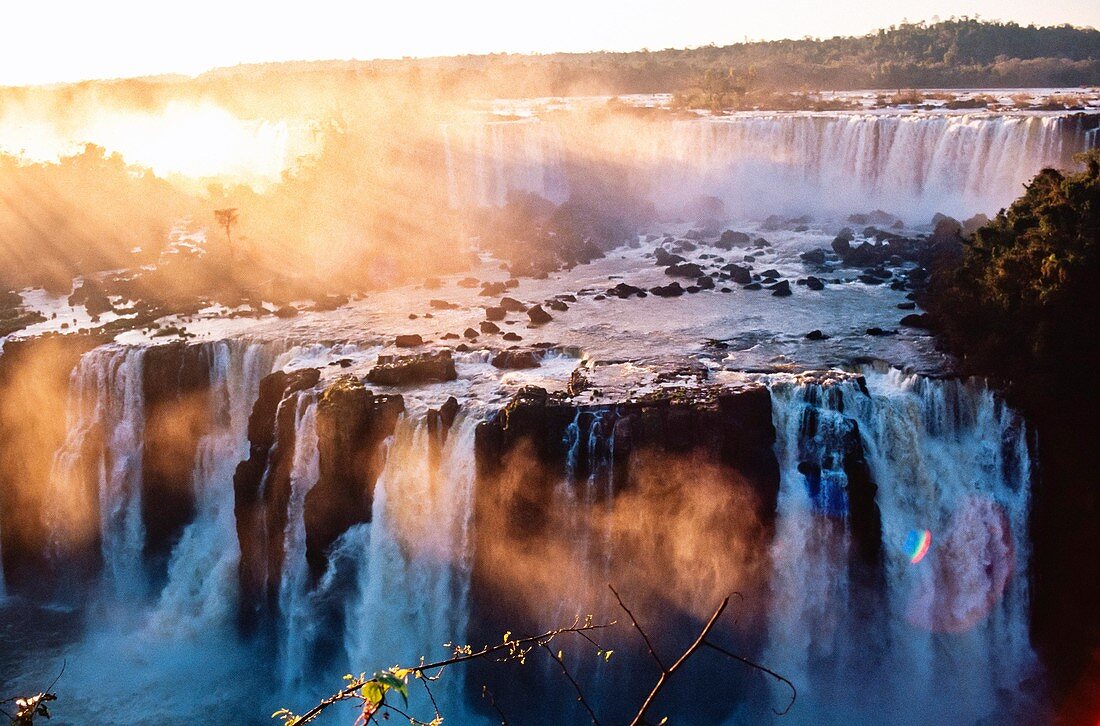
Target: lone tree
x=227 y=218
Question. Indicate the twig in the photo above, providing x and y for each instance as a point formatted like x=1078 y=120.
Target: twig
x=486 y=693
x=353 y=688
x=637 y=627
x=576 y=686
x=757 y=666
x=667 y=673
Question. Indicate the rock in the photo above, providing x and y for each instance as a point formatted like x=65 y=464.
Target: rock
x=816 y=335
x=352 y=426
x=442 y=305
x=684 y=269
x=420 y=368
x=916 y=320
x=781 y=289
x=286 y=311
x=770 y=274
x=494 y=313
x=972 y=225
x=731 y=239
x=492 y=289
x=877 y=332
x=512 y=337
x=870 y=280
x=413 y=316
x=510 y=304
x=557 y=305
x=740 y=275
x=623 y=291
x=488 y=328
x=449 y=336
x=814 y=257
x=517 y=359
x=92 y=296
x=539 y=316
x=408 y=341
x=672 y=289
x=664 y=258
x=753 y=286
x=328 y=303
x=907 y=306
x=469 y=333
x=469 y=282
x=705 y=283
x=815 y=283
x=568 y=298
x=440 y=420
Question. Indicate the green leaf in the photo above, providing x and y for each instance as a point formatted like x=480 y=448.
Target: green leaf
x=372 y=692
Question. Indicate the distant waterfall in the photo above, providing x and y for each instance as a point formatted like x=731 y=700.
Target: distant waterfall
x=952 y=628
x=788 y=163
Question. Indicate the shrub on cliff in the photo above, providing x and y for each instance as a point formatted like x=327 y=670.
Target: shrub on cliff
x=1022 y=305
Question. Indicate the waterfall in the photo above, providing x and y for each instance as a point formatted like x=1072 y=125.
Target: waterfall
x=412 y=573
x=951 y=630
x=104 y=440
x=294 y=601
x=762 y=163
x=202 y=573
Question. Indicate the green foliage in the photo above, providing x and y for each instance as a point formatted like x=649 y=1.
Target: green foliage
x=1022 y=305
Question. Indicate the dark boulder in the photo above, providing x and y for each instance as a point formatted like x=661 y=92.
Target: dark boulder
x=814 y=257
x=672 y=289
x=488 y=328
x=664 y=258
x=623 y=290
x=731 y=239
x=494 y=313
x=510 y=304
x=538 y=316
x=411 y=369
x=684 y=269
x=517 y=359
x=781 y=289
x=442 y=305
x=740 y=275
x=408 y=341
x=916 y=320
x=816 y=335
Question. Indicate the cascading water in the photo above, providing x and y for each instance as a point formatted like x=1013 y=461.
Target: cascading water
x=949 y=639
x=105 y=425
x=914 y=164
x=294 y=607
x=202 y=578
x=412 y=583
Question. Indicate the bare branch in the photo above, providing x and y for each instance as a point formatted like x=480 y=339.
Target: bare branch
x=637 y=627
x=666 y=674
x=510 y=645
x=576 y=686
x=486 y=693
x=764 y=669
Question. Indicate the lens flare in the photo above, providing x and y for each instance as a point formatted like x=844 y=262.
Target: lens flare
x=916 y=544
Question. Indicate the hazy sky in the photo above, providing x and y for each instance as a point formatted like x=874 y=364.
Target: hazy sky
x=48 y=41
